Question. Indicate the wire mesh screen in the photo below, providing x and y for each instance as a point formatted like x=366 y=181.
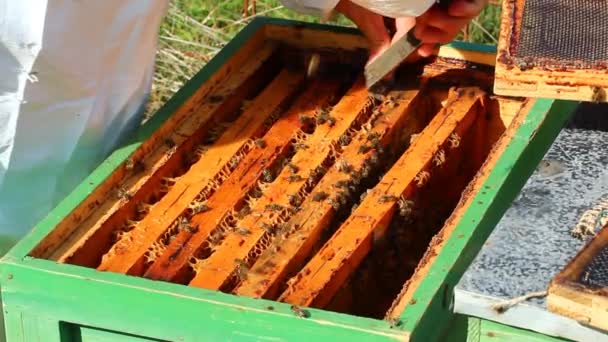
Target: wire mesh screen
x=596 y=273
x=569 y=33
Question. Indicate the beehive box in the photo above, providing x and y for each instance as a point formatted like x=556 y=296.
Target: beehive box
x=259 y=204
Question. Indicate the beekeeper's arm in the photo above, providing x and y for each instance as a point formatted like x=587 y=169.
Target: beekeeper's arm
x=433 y=26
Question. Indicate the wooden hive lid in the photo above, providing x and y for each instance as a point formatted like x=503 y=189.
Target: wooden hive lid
x=553 y=49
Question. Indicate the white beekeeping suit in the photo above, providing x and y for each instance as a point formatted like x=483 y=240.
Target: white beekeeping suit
x=74 y=78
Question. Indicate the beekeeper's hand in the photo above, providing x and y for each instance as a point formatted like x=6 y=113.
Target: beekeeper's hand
x=433 y=27
x=437 y=26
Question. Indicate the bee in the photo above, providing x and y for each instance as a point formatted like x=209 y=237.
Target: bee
x=215 y=237
x=169 y=142
x=373 y=136
x=394 y=322
x=319 y=196
x=439 y=158
x=422 y=178
x=294 y=199
x=344 y=140
x=299 y=311
x=274 y=207
x=335 y=204
x=331 y=121
x=123 y=194
x=267 y=175
x=386 y=198
x=373 y=159
x=246 y=210
x=364 y=149
x=343 y=183
x=268 y=227
x=300 y=146
x=304 y=119
x=143 y=207
x=293 y=168
x=391 y=102
x=343 y=166
x=599 y=95
x=405 y=207
x=199 y=208
x=243 y=231
x=260 y=143
x=294 y=178
x=454 y=140
x=241 y=269
x=413 y=138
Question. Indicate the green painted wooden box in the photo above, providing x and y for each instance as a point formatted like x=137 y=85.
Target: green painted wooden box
x=45 y=299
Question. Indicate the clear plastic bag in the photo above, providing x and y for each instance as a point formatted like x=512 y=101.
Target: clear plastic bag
x=387 y=8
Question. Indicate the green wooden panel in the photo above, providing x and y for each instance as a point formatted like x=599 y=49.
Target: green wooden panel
x=168 y=311
x=495 y=332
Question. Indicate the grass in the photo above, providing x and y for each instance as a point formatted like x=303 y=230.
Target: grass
x=194 y=31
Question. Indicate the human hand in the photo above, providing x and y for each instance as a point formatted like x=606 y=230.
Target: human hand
x=438 y=26
x=434 y=27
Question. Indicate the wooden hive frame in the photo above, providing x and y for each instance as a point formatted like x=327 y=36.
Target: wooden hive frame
x=522 y=78
x=569 y=297
x=74 y=249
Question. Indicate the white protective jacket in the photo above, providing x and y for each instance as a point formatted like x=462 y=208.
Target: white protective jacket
x=75 y=78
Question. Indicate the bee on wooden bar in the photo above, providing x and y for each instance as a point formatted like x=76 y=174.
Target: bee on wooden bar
x=267 y=227
x=294 y=199
x=143 y=208
x=343 y=166
x=294 y=178
x=293 y=168
x=391 y=102
x=305 y=119
x=123 y=194
x=267 y=176
x=274 y=207
x=343 y=183
x=241 y=269
x=300 y=146
x=245 y=210
x=364 y=149
x=394 y=322
x=331 y=121
x=199 y=207
x=373 y=136
x=344 y=140
x=299 y=311
x=169 y=142
x=242 y=231
x=215 y=237
x=386 y=198
x=454 y=140
x=260 y=143
x=320 y=196
x=422 y=178
x=405 y=206
x=439 y=158
x=335 y=203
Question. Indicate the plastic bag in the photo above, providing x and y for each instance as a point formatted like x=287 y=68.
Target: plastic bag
x=387 y=8
x=396 y=8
